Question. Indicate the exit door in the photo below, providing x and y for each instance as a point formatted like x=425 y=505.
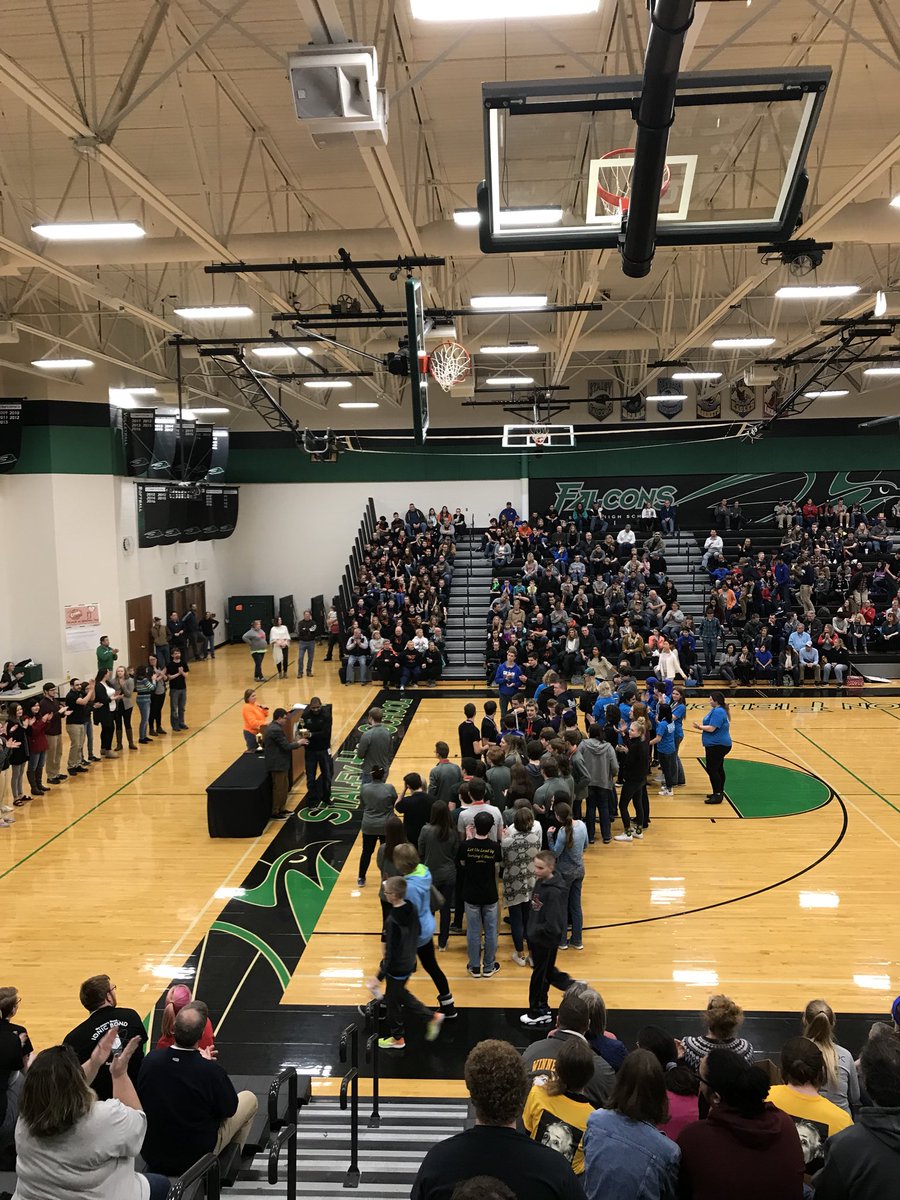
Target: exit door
x=138 y=618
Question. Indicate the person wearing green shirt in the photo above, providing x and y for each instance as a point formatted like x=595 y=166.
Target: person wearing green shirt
x=106 y=655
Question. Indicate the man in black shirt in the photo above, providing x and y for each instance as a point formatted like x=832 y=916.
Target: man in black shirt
x=498 y=1084
x=469 y=734
x=414 y=806
x=191 y=1105
x=479 y=856
x=79 y=700
x=277 y=750
x=317 y=718
x=98 y=996
x=177 y=672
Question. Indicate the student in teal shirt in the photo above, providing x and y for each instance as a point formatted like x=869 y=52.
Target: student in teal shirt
x=716 y=744
x=665 y=748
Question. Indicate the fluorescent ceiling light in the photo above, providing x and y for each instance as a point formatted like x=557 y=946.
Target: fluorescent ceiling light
x=467 y=217
x=506 y=303
x=89 y=231
x=358 y=404
x=327 y=383
x=62 y=364
x=881 y=304
x=877 y=983
x=827 y=394
x=551 y=215
x=820 y=900
x=680 y=376
x=142 y=391
x=500 y=10
x=895 y=203
x=208 y=412
x=512 y=348
x=659 y=399
x=742 y=343
x=214 y=312
x=697 y=978
x=825 y=291
x=281 y=351
x=510 y=380
x=884 y=372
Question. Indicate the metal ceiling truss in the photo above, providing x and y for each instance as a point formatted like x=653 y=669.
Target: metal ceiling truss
x=251 y=386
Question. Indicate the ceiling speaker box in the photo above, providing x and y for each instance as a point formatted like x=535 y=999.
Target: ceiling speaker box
x=335 y=90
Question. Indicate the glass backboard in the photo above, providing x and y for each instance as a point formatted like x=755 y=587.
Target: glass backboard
x=558 y=157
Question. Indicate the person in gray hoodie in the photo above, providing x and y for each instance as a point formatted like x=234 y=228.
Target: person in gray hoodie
x=863 y=1162
x=597 y=759
x=256 y=639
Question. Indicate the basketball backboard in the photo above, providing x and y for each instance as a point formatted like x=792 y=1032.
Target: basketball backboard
x=418 y=359
x=558 y=157
x=538 y=437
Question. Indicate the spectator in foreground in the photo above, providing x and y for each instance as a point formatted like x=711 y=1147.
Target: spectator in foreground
x=179 y=997
x=723 y=1018
x=498 y=1086
x=572 y=1024
x=803 y=1072
x=191 y=1105
x=841 y=1085
x=863 y=1162
x=68 y=1142
x=557 y=1109
x=98 y=996
x=682 y=1087
x=625 y=1155
x=16 y=1052
x=746 y=1148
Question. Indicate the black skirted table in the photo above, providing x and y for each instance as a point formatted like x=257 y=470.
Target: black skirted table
x=239 y=802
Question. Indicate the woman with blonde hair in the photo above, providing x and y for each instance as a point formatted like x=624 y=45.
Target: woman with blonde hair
x=723 y=1018
x=841 y=1085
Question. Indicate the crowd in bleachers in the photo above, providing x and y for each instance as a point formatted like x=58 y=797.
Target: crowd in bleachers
x=393 y=628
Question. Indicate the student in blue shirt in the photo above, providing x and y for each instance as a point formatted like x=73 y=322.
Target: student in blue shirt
x=716 y=744
x=509 y=680
x=679 y=712
x=665 y=748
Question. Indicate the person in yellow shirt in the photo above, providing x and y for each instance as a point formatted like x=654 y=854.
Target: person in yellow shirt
x=557 y=1109
x=804 y=1072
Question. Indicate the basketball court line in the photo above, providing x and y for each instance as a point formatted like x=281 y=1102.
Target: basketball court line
x=803 y=761
x=849 y=772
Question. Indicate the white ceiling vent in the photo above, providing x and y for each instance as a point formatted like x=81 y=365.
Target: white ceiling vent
x=335 y=90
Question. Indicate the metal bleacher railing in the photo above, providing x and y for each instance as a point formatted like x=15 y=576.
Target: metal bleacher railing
x=357 y=553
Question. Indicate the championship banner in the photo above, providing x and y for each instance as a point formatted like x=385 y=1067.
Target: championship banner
x=191 y=510
x=10 y=434
x=599 y=404
x=138 y=437
x=634 y=409
x=201 y=453
x=694 y=496
x=185 y=432
x=163 y=449
x=709 y=407
x=743 y=399
x=219 y=458
x=155 y=516
x=673 y=403
x=773 y=396
x=224 y=510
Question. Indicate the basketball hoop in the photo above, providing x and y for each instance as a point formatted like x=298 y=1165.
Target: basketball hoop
x=614 y=180
x=539 y=435
x=449 y=363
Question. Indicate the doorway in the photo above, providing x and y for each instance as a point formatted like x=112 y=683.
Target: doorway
x=180 y=599
x=138 y=618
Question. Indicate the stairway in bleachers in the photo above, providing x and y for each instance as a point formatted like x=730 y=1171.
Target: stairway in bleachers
x=389 y=1156
x=683 y=567
x=470 y=597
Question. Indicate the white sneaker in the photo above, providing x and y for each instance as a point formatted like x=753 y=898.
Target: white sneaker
x=519 y=959
x=665 y=792
x=622 y=837
x=5 y=808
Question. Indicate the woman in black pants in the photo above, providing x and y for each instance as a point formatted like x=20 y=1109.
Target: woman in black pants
x=635 y=769
x=438 y=846
x=158 y=698
x=716 y=738
x=105 y=711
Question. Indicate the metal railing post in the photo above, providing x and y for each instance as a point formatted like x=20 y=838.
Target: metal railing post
x=284 y=1129
x=206 y=1168
x=372 y=1052
x=350 y=1041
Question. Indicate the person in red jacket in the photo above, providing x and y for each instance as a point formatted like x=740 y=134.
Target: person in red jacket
x=746 y=1148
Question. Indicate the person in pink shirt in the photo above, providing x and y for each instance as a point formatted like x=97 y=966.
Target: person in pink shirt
x=682 y=1085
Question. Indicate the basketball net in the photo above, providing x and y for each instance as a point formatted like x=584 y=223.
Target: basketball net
x=449 y=363
x=614 y=181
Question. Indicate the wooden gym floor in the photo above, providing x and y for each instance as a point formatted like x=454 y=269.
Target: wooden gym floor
x=784 y=894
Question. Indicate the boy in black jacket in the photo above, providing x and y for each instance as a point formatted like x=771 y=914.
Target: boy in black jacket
x=401 y=935
x=546 y=926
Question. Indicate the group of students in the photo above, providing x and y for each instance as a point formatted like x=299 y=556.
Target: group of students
x=578 y=1114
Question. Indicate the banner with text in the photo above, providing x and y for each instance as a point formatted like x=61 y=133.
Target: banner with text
x=695 y=495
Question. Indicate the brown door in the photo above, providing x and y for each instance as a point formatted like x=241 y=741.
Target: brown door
x=138 y=618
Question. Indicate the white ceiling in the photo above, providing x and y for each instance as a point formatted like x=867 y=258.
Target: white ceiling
x=210 y=158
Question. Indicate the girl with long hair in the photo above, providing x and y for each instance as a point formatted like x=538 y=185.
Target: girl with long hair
x=438 y=845
x=178 y=997
x=682 y=1086
x=841 y=1084
x=521 y=841
x=568 y=842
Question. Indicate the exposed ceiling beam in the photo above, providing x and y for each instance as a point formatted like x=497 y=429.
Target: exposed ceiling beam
x=131 y=73
x=889 y=23
x=89 y=351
